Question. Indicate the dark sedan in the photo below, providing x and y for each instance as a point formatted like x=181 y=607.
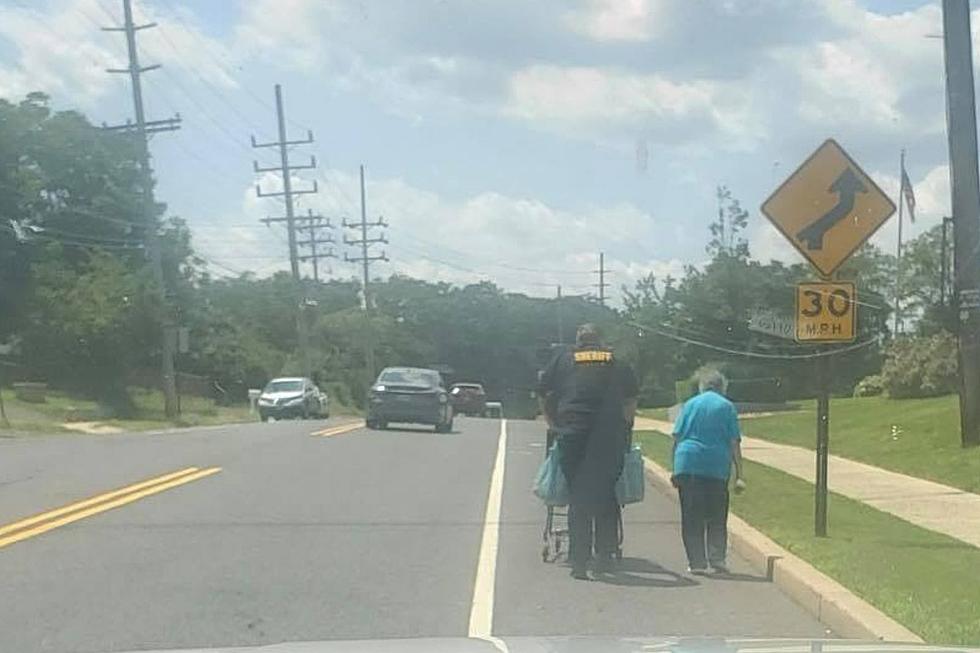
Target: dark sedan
x=410 y=394
x=469 y=399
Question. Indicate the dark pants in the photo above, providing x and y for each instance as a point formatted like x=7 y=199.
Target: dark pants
x=704 y=519
x=592 y=528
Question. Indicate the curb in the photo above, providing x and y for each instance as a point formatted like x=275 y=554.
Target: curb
x=834 y=605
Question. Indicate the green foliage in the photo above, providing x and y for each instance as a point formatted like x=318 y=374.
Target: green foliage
x=872 y=385
x=88 y=323
x=921 y=366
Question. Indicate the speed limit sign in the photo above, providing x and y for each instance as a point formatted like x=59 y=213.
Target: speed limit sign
x=825 y=312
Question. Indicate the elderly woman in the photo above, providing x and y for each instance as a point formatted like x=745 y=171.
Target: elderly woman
x=706 y=444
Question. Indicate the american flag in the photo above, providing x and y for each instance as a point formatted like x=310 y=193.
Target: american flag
x=908 y=193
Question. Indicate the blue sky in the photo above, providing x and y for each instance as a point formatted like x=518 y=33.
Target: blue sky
x=503 y=139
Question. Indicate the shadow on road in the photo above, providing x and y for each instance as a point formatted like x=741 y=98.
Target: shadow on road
x=640 y=572
x=416 y=429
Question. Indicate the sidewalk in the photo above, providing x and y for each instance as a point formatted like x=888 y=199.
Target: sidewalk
x=927 y=504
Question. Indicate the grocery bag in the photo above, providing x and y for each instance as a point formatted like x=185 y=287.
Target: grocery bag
x=631 y=482
x=550 y=484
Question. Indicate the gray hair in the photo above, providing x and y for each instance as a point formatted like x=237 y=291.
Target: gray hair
x=588 y=335
x=710 y=379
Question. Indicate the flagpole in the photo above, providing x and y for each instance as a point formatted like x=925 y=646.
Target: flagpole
x=898 y=251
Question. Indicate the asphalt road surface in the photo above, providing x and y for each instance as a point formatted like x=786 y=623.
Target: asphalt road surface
x=307 y=530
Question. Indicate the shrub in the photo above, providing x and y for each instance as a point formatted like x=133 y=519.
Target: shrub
x=870 y=386
x=921 y=366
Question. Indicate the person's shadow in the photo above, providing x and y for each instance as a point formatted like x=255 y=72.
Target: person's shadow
x=640 y=572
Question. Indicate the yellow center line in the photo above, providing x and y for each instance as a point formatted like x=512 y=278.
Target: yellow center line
x=82 y=509
x=337 y=430
x=99 y=498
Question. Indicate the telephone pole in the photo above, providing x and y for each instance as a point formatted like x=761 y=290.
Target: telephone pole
x=365 y=260
x=143 y=129
x=285 y=170
x=961 y=127
x=313 y=225
x=602 y=285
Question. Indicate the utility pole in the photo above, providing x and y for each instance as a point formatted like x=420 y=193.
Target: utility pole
x=602 y=285
x=313 y=224
x=961 y=128
x=365 y=260
x=285 y=169
x=143 y=129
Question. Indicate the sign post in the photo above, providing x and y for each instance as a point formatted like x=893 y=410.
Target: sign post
x=823 y=446
x=826 y=209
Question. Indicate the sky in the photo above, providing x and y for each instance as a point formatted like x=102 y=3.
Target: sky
x=504 y=140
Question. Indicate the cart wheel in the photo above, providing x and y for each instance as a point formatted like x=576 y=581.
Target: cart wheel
x=544 y=553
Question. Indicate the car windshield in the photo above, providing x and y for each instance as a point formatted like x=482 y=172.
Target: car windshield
x=715 y=263
x=284 y=386
x=409 y=377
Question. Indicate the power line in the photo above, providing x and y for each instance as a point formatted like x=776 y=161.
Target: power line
x=752 y=354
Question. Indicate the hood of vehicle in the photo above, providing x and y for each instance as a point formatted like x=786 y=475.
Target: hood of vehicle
x=281 y=396
x=585 y=645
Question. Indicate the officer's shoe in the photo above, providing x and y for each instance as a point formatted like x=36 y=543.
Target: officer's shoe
x=580 y=573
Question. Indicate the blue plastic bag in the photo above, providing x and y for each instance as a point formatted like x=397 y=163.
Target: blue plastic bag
x=550 y=484
x=631 y=482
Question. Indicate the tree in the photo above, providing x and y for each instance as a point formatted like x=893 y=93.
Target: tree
x=922 y=286
x=90 y=322
x=726 y=231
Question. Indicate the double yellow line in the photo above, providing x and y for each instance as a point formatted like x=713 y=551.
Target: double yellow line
x=338 y=430
x=46 y=521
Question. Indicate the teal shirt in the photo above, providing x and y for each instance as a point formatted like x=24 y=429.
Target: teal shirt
x=704 y=432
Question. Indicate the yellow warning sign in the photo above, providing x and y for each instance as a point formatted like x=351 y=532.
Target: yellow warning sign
x=826 y=312
x=828 y=207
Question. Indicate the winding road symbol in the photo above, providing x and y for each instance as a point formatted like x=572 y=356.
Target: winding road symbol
x=846 y=186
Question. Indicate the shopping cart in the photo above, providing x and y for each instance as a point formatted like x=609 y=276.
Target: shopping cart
x=555 y=535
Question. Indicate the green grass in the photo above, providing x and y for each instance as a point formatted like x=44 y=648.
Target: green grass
x=60 y=408
x=919 y=437
x=922 y=579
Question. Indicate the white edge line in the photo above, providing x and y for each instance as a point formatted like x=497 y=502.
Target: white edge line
x=481 y=611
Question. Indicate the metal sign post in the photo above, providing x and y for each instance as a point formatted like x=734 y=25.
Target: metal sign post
x=823 y=446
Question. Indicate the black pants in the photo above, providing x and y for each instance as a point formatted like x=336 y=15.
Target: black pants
x=592 y=528
x=704 y=519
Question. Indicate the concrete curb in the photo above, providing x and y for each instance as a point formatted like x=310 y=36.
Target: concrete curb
x=833 y=604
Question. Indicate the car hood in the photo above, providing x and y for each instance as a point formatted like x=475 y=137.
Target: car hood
x=585 y=645
x=281 y=395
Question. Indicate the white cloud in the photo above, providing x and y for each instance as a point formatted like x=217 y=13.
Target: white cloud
x=884 y=74
x=593 y=101
x=56 y=52
x=521 y=244
x=614 y=20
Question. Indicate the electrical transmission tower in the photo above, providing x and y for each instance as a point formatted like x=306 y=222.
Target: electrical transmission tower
x=285 y=170
x=602 y=272
x=365 y=259
x=142 y=129
x=314 y=226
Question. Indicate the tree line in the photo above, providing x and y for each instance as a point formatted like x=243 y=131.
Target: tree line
x=77 y=308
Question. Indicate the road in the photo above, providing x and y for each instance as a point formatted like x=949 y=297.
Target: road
x=280 y=534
